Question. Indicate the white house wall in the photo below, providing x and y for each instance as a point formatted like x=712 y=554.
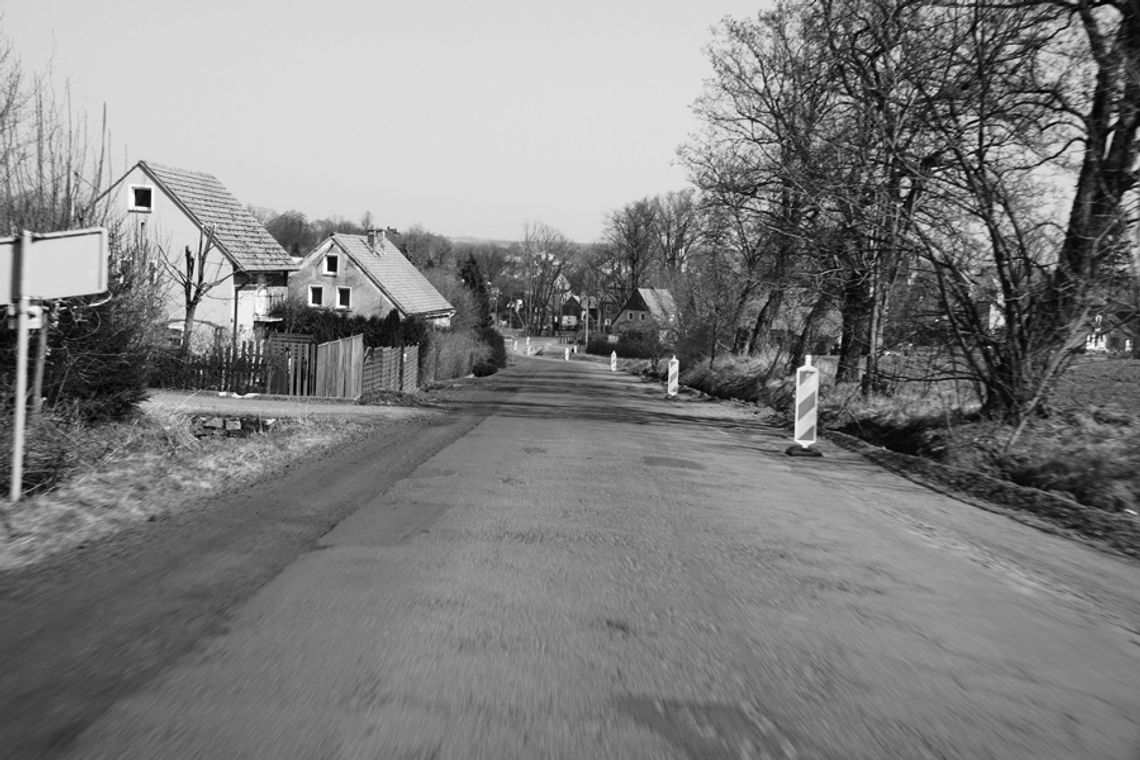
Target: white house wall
x=168 y=228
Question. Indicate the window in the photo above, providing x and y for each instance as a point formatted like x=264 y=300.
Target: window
x=140 y=198
x=344 y=298
x=332 y=263
x=642 y=317
x=316 y=295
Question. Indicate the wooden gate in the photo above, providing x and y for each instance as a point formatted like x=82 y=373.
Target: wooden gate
x=340 y=368
x=291 y=364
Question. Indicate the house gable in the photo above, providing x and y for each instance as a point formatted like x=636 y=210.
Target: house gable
x=384 y=276
x=210 y=205
x=171 y=211
x=648 y=304
x=314 y=273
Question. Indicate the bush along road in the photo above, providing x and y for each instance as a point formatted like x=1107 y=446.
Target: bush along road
x=565 y=565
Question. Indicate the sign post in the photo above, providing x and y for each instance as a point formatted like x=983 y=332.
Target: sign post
x=44 y=267
x=807 y=411
x=673 y=382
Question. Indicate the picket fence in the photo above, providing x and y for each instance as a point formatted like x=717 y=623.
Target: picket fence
x=296 y=365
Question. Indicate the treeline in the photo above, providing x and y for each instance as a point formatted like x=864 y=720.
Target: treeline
x=883 y=174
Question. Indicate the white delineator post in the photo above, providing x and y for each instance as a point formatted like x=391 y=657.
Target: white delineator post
x=673 y=382
x=566 y=354
x=20 y=402
x=613 y=361
x=807 y=410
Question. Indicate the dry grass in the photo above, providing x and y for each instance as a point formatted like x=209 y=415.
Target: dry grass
x=127 y=473
x=1089 y=452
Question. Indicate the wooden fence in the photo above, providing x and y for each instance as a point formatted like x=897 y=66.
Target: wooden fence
x=292 y=368
x=238 y=369
x=294 y=365
x=391 y=369
x=340 y=365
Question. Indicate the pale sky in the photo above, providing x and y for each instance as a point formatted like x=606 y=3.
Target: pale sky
x=468 y=118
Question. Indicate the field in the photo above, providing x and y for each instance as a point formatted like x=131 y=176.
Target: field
x=1101 y=382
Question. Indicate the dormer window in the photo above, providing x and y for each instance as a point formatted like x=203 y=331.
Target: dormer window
x=140 y=198
x=332 y=263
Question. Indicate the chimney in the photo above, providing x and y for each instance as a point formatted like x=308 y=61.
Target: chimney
x=372 y=238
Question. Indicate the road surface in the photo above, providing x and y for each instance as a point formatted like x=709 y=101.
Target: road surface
x=584 y=569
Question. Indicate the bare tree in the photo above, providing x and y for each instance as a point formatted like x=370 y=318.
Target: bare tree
x=631 y=236
x=190 y=276
x=545 y=253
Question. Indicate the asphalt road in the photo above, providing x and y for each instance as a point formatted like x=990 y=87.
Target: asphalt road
x=586 y=570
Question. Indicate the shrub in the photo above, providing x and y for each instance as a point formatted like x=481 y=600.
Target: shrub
x=498 y=345
x=101 y=347
x=326 y=325
x=484 y=368
x=639 y=345
x=600 y=346
x=447 y=354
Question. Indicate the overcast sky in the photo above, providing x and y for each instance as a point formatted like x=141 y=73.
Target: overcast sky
x=469 y=118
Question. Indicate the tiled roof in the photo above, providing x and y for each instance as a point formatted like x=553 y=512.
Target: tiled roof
x=397 y=277
x=659 y=303
x=237 y=233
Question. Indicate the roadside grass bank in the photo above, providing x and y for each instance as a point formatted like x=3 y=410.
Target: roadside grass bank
x=88 y=481
x=1078 y=469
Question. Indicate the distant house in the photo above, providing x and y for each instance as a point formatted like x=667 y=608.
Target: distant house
x=367 y=274
x=181 y=214
x=571 y=314
x=646 y=308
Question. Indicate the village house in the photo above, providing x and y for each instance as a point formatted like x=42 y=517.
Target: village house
x=648 y=308
x=203 y=237
x=368 y=275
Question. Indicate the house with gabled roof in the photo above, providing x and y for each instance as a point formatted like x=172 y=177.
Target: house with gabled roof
x=646 y=308
x=187 y=216
x=367 y=275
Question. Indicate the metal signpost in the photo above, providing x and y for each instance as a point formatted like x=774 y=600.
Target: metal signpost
x=672 y=384
x=807 y=411
x=44 y=268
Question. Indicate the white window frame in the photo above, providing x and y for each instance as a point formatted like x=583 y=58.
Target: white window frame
x=339 y=292
x=333 y=257
x=132 y=206
x=319 y=292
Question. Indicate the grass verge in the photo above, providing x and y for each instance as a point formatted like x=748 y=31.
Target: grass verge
x=124 y=473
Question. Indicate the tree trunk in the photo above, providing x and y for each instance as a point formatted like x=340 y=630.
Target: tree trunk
x=808 y=334
x=188 y=326
x=855 y=314
x=765 y=319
